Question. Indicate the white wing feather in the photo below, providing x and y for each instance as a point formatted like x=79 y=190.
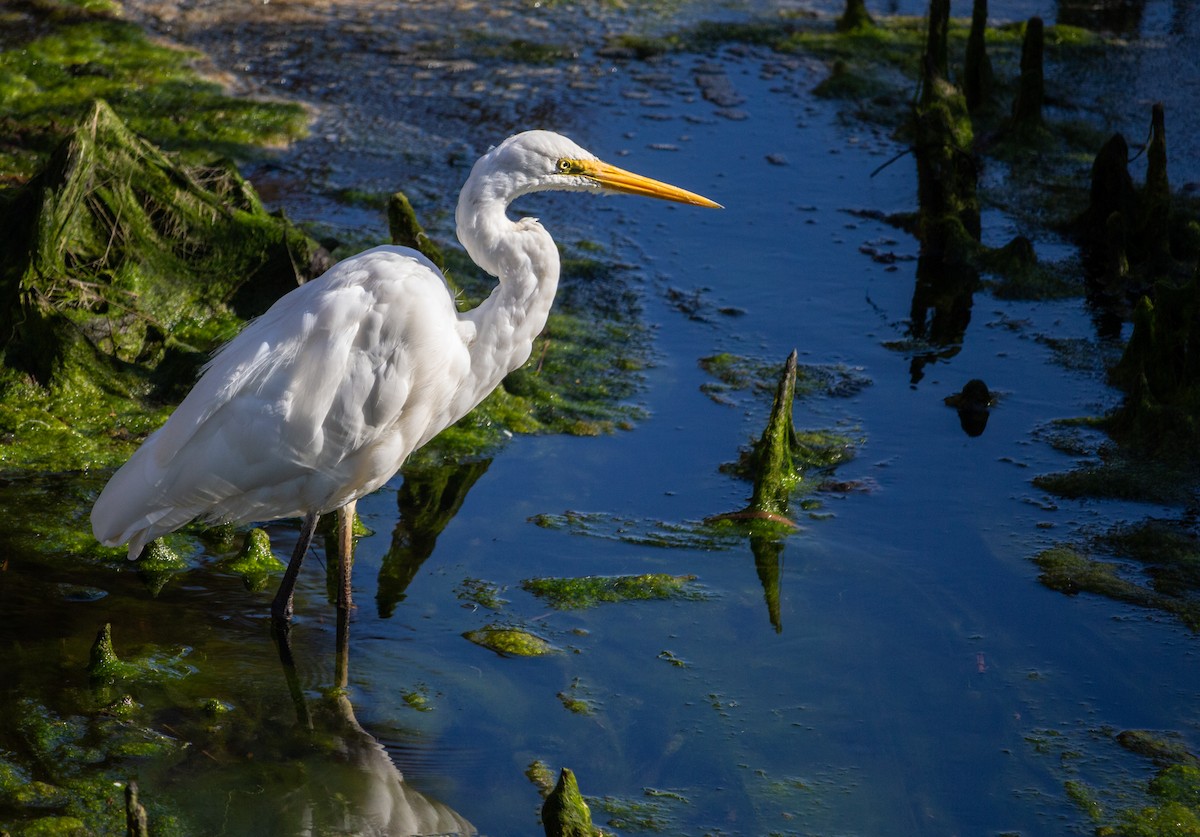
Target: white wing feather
x=315 y=403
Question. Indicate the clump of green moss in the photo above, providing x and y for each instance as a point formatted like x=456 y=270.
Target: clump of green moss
x=1121 y=477
x=588 y=591
x=1169 y=804
x=122 y=269
x=482 y=593
x=1163 y=749
x=255 y=562
x=781 y=458
x=564 y=812
x=510 y=641
x=1069 y=571
x=418 y=698
x=575 y=699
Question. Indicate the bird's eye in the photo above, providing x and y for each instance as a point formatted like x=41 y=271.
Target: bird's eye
x=566 y=166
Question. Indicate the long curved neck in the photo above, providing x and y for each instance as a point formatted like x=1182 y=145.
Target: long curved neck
x=522 y=255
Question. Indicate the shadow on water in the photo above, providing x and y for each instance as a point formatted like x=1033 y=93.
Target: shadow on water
x=941 y=311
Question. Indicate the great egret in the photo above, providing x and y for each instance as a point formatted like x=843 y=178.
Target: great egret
x=318 y=401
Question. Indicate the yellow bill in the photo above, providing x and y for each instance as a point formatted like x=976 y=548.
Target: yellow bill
x=619 y=180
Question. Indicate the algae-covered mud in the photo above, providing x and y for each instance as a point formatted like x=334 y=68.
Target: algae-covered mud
x=967 y=600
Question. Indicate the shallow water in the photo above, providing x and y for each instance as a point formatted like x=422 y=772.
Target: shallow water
x=915 y=677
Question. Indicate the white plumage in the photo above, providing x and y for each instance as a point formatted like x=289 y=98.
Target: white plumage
x=318 y=401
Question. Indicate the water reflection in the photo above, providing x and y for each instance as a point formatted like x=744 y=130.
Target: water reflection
x=768 y=562
x=429 y=498
x=940 y=312
x=1121 y=17
x=349 y=784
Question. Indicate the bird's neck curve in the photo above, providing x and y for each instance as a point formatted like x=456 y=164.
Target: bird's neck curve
x=524 y=258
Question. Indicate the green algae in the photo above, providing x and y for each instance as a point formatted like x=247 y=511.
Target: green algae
x=1164 y=750
x=156 y=666
x=122 y=270
x=1116 y=806
x=103 y=665
x=1067 y=570
x=564 y=811
x=589 y=591
x=74 y=54
x=418 y=698
x=662 y=534
x=541 y=776
x=855 y=16
x=255 y=562
x=407 y=231
x=739 y=373
x=650 y=812
x=575 y=700
x=510 y=641
x=1122 y=477
x=481 y=593
x=74 y=767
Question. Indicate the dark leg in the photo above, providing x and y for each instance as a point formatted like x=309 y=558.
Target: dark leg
x=281 y=608
x=345 y=550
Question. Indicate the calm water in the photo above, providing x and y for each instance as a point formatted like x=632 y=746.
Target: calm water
x=916 y=679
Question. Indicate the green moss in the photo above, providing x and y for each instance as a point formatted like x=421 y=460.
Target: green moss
x=482 y=593
x=103 y=665
x=215 y=707
x=1168 y=551
x=1085 y=799
x=686 y=535
x=159 y=557
x=575 y=699
x=542 y=777
x=565 y=813
x=114 y=256
x=734 y=373
x=636 y=814
x=1163 y=749
x=255 y=562
x=49 y=80
x=1121 y=478
x=418 y=698
x=588 y=591
x=1178 y=783
x=56 y=827
x=511 y=642
x=1068 y=571
x=407 y=231
x=19 y=789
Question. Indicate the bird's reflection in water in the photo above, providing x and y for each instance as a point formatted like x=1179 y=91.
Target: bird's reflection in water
x=351 y=786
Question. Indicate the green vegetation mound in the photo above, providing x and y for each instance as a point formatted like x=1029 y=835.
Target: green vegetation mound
x=120 y=270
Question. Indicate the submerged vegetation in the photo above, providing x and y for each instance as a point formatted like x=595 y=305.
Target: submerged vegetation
x=579 y=593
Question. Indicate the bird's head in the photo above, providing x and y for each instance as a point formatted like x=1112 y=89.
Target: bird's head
x=536 y=161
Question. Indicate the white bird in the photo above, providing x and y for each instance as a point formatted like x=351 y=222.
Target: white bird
x=319 y=401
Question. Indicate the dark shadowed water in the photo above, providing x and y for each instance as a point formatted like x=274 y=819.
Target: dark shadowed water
x=894 y=667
